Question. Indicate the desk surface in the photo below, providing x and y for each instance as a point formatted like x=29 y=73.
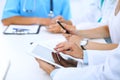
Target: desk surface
x=22 y=65
x=16 y=47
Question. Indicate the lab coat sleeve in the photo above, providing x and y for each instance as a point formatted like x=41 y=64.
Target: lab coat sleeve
x=111 y=66
x=86 y=73
x=11 y=9
x=96 y=57
x=110 y=70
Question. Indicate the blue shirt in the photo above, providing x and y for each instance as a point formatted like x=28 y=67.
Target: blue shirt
x=36 y=8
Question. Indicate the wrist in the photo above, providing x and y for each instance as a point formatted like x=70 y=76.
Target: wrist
x=42 y=21
x=84 y=43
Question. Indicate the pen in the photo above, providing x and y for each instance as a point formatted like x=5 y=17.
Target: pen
x=63 y=27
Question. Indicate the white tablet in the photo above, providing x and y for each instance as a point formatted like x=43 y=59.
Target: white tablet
x=44 y=54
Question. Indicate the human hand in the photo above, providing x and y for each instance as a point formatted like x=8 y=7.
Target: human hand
x=70 y=48
x=45 y=66
x=61 y=61
x=56 y=28
x=60 y=18
x=73 y=38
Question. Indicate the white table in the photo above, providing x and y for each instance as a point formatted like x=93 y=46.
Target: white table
x=22 y=65
x=16 y=47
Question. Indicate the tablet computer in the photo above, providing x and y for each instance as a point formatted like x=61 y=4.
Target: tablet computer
x=43 y=53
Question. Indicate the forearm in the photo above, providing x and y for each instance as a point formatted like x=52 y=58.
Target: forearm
x=100 y=46
x=99 y=32
x=25 y=20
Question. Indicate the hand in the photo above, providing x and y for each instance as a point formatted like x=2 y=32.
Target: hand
x=45 y=66
x=73 y=38
x=55 y=28
x=60 y=18
x=66 y=63
x=71 y=49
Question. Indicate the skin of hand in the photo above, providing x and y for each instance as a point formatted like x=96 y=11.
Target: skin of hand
x=61 y=19
x=73 y=38
x=56 y=28
x=48 y=68
x=60 y=60
x=69 y=48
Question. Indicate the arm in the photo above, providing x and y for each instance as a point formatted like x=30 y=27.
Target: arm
x=25 y=20
x=45 y=66
x=100 y=46
x=91 y=45
x=99 y=32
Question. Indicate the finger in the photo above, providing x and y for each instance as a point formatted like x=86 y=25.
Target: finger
x=38 y=60
x=64 y=62
x=68 y=52
x=55 y=57
x=67 y=36
x=60 y=45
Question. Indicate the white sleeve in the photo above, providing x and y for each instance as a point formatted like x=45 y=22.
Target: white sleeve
x=110 y=70
x=111 y=66
x=86 y=73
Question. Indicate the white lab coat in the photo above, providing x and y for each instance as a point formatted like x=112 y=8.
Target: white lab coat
x=107 y=9
x=108 y=70
x=87 y=11
x=103 y=65
x=114 y=27
x=91 y=11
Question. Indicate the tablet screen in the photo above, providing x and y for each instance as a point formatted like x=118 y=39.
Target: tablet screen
x=45 y=54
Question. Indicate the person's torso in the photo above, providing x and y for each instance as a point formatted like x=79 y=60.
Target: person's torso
x=114 y=27
x=39 y=8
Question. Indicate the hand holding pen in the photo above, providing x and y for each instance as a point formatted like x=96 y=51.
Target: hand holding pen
x=62 y=27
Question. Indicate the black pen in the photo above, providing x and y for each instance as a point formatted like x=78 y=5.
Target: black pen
x=62 y=26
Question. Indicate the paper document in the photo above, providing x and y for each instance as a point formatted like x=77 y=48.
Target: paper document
x=22 y=29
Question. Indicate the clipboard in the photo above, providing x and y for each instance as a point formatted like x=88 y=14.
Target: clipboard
x=22 y=29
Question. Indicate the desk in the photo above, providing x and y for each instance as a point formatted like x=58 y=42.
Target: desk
x=22 y=65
